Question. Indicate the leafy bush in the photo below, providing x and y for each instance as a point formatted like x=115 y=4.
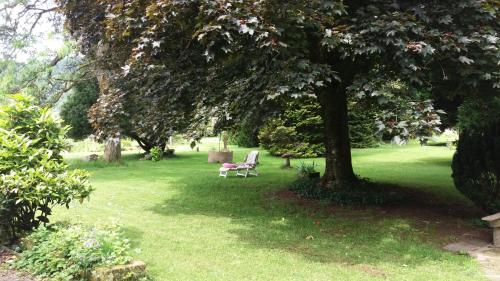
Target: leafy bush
x=33 y=176
x=479 y=112
x=38 y=125
x=128 y=144
x=476 y=166
x=156 y=154
x=63 y=252
x=304 y=169
x=309 y=188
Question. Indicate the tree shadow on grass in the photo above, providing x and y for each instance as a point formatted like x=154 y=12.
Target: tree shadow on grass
x=133 y=234
x=126 y=160
x=316 y=231
x=437 y=161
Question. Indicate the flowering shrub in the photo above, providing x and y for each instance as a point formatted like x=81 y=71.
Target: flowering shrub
x=63 y=252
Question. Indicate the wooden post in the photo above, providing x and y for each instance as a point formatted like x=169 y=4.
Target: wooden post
x=225 y=140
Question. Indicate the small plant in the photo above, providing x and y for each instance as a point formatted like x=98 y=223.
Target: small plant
x=363 y=192
x=309 y=188
x=63 y=252
x=305 y=169
x=156 y=154
x=192 y=144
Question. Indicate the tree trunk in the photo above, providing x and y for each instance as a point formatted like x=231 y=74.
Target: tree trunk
x=5 y=236
x=338 y=166
x=112 y=150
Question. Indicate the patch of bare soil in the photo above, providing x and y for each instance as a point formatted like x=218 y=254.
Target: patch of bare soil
x=371 y=270
x=439 y=222
x=7 y=274
x=11 y=275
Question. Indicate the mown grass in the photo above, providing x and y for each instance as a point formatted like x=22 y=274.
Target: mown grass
x=186 y=223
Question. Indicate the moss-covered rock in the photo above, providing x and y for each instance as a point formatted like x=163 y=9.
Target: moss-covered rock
x=130 y=272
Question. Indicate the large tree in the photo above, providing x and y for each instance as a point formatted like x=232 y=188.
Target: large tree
x=259 y=51
x=148 y=104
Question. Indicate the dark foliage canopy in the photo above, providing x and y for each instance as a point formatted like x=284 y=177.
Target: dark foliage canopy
x=476 y=166
x=231 y=59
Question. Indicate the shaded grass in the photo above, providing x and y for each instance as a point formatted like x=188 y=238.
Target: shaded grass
x=186 y=223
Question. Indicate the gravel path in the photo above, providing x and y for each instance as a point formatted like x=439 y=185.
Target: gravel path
x=10 y=275
x=487 y=256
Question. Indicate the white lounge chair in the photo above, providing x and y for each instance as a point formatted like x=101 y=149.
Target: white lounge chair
x=245 y=169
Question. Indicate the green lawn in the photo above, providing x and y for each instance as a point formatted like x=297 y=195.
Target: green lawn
x=186 y=223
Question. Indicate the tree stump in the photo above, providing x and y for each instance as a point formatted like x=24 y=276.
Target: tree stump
x=112 y=150
x=220 y=157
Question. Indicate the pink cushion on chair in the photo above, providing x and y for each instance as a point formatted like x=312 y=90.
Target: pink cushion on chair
x=230 y=165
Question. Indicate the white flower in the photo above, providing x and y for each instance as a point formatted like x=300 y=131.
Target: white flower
x=156 y=44
x=328 y=32
x=126 y=70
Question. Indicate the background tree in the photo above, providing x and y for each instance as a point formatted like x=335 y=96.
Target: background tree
x=149 y=104
x=34 y=56
x=298 y=129
x=23 y=23
x=75 y=108
x=47 y=76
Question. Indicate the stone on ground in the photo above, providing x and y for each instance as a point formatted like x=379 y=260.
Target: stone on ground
x=487 y=255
